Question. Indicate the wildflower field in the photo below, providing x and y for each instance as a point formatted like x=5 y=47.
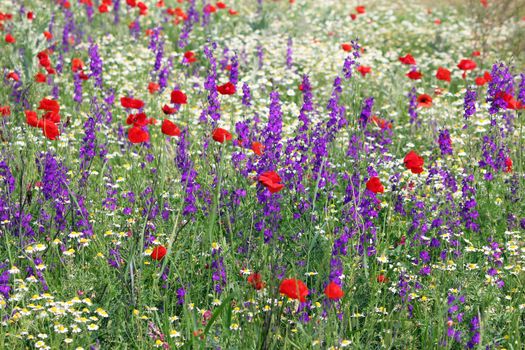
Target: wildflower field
x=262 y=174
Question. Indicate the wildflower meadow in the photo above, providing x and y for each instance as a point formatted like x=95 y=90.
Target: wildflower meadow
x=262 y=174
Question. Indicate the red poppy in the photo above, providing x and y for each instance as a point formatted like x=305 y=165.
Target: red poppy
x=232 y=12
x=475 y=53
x=414 y=75
x=158 y=253
x=360 y=9
x=40 y=77
x=467 y=64
x=221 y=135
x=221 y=5
x=137 y=135
x=131 y=3
x=43 y=59
x=407 y=59
x=103 y=8
x=178 y=97
x=255 y=280
x=294 y=289
x=139 y=119
x=437 y=21
x=226 y=89
x=5 y=111
x=49 y=105
x=271 y=180
x=257 y=148
x=382 y=279
x=480 y=81
x=128 y=102
x=512 y=103
x=484 y=3
x=346 y=47
x=374 y=184
x=382 y=123
x=153 y=87
x=424 y=100
x=443 y=74
x=508 y=164
x=31 y=118
x=209 y=9
x=48 y=35
x=364 y=70
x=143 y=8
x=14 y=76
x=414 y=162
x=168 y=110
x=169 y=128
x=77 y=64
x=353 y=16
x=333 y=291
x=10 y=39
x=190 y=56
x=49 y=129
x=30 y=16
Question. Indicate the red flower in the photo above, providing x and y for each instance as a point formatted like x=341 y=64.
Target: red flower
x=30 y=16
x=414 y=75
x=153 y=87
x=443 y=74
x=382 y=123
x=424 y=100
x=103 y=8
x=467 y=65
x=131 y=3
x=364 y=70
x=360 y=9
x=49 y=105
x=346 y=47
x=255 y=279
x=480 y=81
x=168 y=110
x=178 y=97
x=508 y=164
x=158 y=253
x=190 y=56
x=257 y=148
x=40 y=77
x=31 y=118
x=374 y=185
x=137 y=135
x=353 y=16
x=407 y=59
x=10 y=39
x=77 y=64
x=226 y=89
x=475 y=53
x=128 y=102
x=49 y=129
x=209 y=9
x=48 y=35
x=14 y=76
x=271 y=180
x=221 y=5
x=232 y=12
x=5 y=111
x=169 y=128
x=382 y=279
x=333 y=291
x=484 y=3
x=414 y=162
x=294 y=289
x=221 y=135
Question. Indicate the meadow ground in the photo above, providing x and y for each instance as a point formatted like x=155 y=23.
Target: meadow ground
x=258 y=174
